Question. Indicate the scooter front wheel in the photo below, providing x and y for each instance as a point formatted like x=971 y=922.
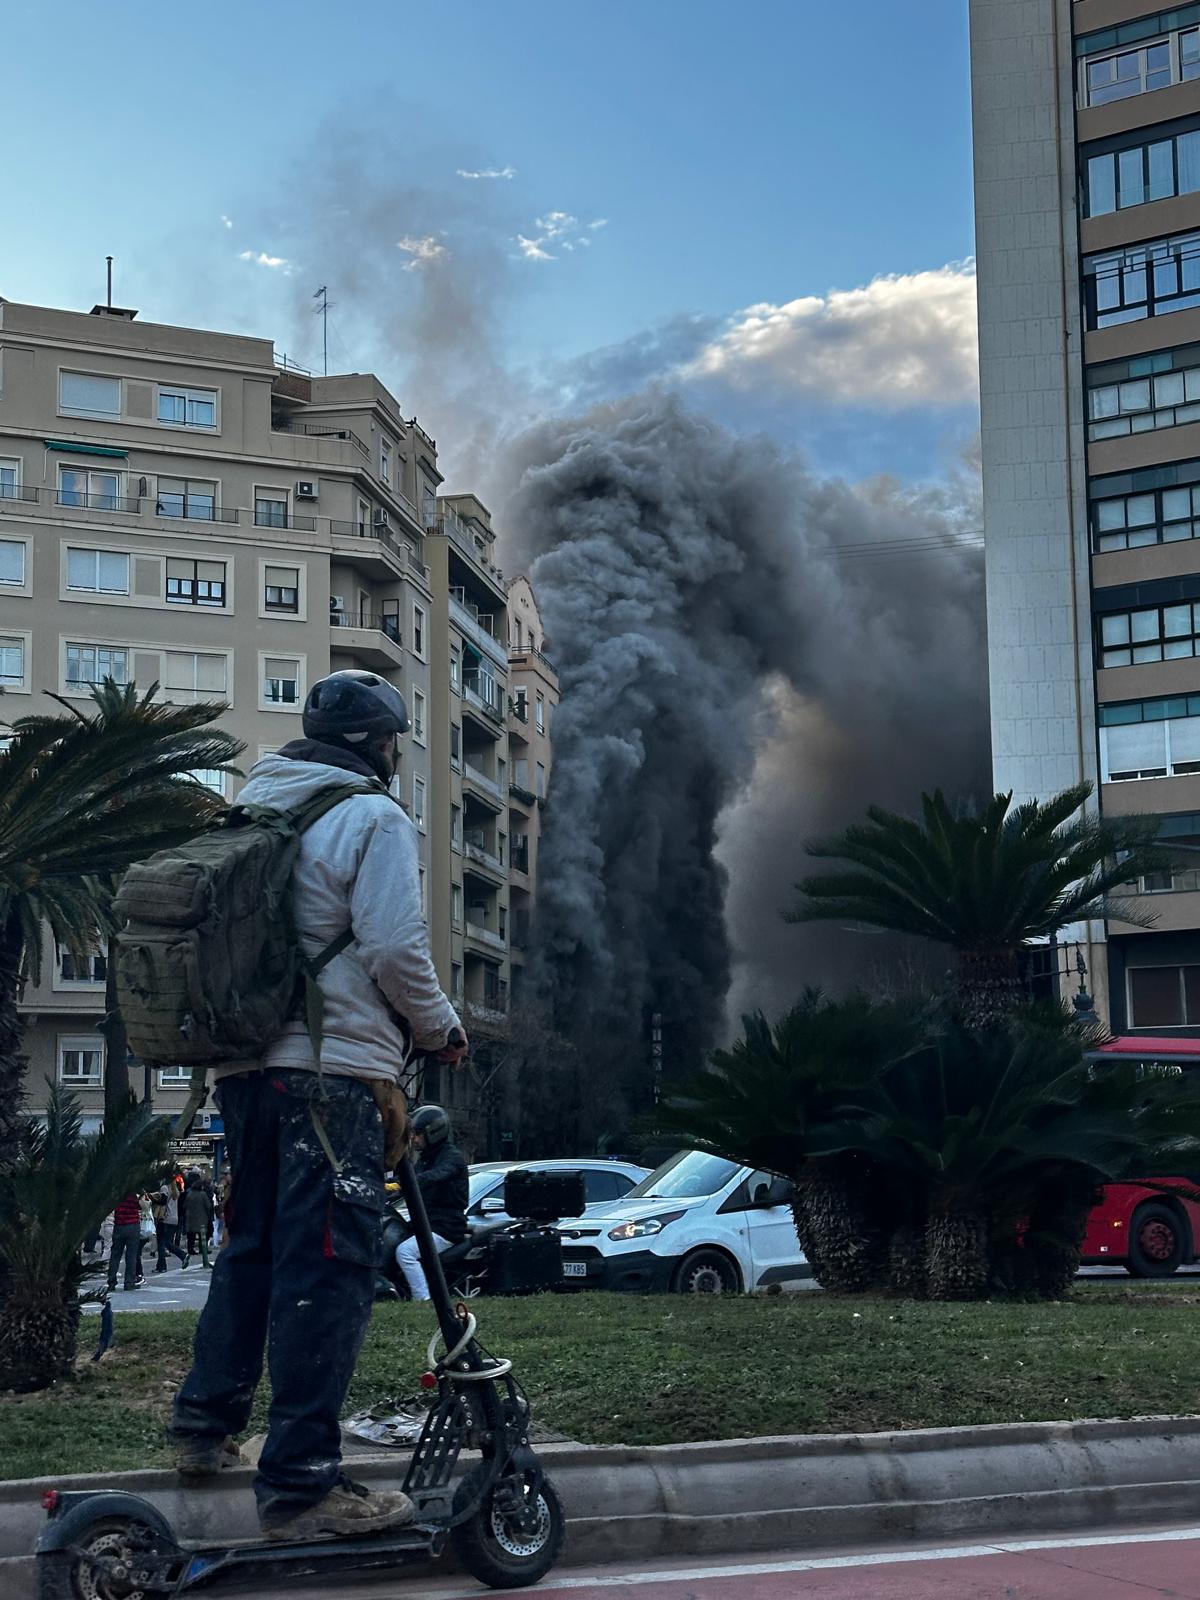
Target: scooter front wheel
x=514 y=1536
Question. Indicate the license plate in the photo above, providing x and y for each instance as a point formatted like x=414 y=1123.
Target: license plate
x=574 y=1269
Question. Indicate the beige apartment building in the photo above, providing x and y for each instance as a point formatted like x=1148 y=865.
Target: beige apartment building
x=1087 y=173
x=182 y=507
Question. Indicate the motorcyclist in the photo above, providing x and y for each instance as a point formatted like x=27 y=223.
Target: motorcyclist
x=298 y=1271
x=444 y=1181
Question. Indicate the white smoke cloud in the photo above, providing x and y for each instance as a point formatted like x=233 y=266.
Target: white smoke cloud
x=260 y=258
x=899 y=342
x=488 y=172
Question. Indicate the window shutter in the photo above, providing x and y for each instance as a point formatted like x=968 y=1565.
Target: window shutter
x=139 y=398
x=147 y=668
x=1184 y=734
x=1136 y=747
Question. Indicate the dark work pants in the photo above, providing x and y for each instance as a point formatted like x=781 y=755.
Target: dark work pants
x=297 y=1277
x=168 y=1244
x=126 y=1240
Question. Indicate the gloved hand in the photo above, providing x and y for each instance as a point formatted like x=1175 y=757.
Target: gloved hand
x=393 y=1108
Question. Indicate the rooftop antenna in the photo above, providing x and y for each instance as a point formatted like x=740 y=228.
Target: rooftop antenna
x=109 y=260
x=322 y=295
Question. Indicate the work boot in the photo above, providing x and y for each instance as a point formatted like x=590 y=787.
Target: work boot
x=347 y=1510
x=204 y=1457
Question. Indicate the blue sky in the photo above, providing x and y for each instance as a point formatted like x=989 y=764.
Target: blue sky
x=735 y=156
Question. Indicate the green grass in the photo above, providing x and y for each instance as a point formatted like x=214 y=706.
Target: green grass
x=648 y=1371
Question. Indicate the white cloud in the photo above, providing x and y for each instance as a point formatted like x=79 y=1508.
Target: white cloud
x=227 y=221
x=562 y=230
x=489 y=172
x=900 y=341
x=423 y=251
x=260 y=258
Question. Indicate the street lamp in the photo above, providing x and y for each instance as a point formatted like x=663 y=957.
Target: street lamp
x=1085 y=1009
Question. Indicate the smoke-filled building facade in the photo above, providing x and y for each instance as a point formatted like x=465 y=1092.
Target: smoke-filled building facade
x=1087 y=169
x=180 y=506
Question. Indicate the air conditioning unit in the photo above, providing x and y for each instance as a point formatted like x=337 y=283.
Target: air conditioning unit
x=306 y=489
x=337 y=603
x=381 y=518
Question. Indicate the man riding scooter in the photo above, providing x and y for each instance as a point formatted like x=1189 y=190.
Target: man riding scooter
x=306 y=1137
x=444 y=1181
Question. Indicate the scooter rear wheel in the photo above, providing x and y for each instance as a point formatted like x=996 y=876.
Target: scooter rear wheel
x=64 y=1575
x=500 y=1548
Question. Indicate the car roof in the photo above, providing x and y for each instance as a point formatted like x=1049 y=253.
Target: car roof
x=601 y=1163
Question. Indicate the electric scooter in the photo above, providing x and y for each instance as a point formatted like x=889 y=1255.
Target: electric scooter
x=502 y=1518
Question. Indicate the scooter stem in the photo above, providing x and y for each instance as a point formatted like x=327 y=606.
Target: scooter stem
x=439 y=1290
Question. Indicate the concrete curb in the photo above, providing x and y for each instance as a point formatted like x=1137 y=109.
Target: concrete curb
x=809 y=1490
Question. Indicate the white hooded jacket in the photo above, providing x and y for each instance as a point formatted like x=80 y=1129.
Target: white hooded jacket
x=357 y=868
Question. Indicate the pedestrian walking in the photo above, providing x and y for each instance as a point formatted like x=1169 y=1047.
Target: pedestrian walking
x=197 y=1219
x=166 y=1217
x=126 y=1236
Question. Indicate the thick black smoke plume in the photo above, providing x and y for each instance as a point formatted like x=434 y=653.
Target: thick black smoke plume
x=729 y=659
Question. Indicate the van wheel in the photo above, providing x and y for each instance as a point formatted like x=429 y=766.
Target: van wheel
x=1156 y=1242
x=706 y=1272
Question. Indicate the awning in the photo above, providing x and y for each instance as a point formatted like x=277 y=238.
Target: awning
x=1150 y=1047
x=75 y=448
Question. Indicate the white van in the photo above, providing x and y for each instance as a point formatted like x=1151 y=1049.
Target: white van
x=697 y=1225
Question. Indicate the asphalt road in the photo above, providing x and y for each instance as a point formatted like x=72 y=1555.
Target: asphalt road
x=1133 y=1566
x=172 y=1290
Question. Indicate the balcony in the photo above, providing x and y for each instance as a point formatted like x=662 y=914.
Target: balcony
x=480 y=856
x=490 y=790
x=519 y=858
x=522 y=654
x=190 y=513
x=481 y=693
x=485 y=936
x=374 y=639
x=14 y=495
x=476 y=626
x=314 y=430
x=523 y=796
x=78 y=501
x=284 y=522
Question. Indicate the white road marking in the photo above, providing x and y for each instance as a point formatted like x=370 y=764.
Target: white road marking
x=757 y=1569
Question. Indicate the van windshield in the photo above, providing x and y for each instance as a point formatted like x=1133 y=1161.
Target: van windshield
x=685 y=1176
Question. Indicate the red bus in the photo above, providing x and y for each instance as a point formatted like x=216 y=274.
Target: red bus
x=1148 y=1233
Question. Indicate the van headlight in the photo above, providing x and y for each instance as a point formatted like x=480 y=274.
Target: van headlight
x=644 y=1227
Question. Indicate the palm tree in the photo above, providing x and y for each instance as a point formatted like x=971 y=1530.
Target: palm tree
x=768 y=1102
x=984 y=882
x=82 y=794
x=52 y=1197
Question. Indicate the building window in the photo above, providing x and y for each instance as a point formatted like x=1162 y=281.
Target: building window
x=456 y=982
x=520 y=852
x=191 y=498
x=541 y=780
x=1164 y=997
x=12 y=561
x=521 y=704
x=85 y=394
x=456 y=827
x=1129 y=72
x=211 y=778
x=188 y=408
x=12 y=662
x=455 y=671
x=419 y=632
x=1141 y=404
x=455 y=743
x=1143 y=173
x=418 y=716
x=364 y=519
x=281 y=681
x=90 y=664
x=541 y=714
x=1160 y=516
x=191 y=676
x=270 y=511
x=456 y=904
x=281 y=590
x=385 y=461
x=1150 y=739
x=195 y=583
x=95 y=491
x=172 y=1075
x=98 y=571
x=80 y=1059
x=419 y=801
x=1156 y=633
x=10 y=480
x=1147 y=280
x=89 y=969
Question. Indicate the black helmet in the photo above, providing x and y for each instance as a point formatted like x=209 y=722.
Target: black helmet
x=433 y=1122
x=353 y=707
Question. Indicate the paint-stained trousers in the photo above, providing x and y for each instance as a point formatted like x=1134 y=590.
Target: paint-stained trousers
x=297 y=1277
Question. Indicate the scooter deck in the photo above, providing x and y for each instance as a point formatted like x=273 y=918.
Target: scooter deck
x=246 y=1560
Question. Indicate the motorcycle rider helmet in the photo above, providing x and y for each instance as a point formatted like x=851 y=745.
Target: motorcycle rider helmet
x=433 y=1122
x=353 y=709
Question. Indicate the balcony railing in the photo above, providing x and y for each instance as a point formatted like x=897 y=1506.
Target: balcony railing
x=483 y=692
x=367 y=619
x=522 y=793
x=482 y=779
x=191 y=513
x=272 y=519
x=315 y=431
x=18 y=493
x=97 y=502
x=515 y=651
x=519 y=859
x=485 y=858
x=485 y=936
